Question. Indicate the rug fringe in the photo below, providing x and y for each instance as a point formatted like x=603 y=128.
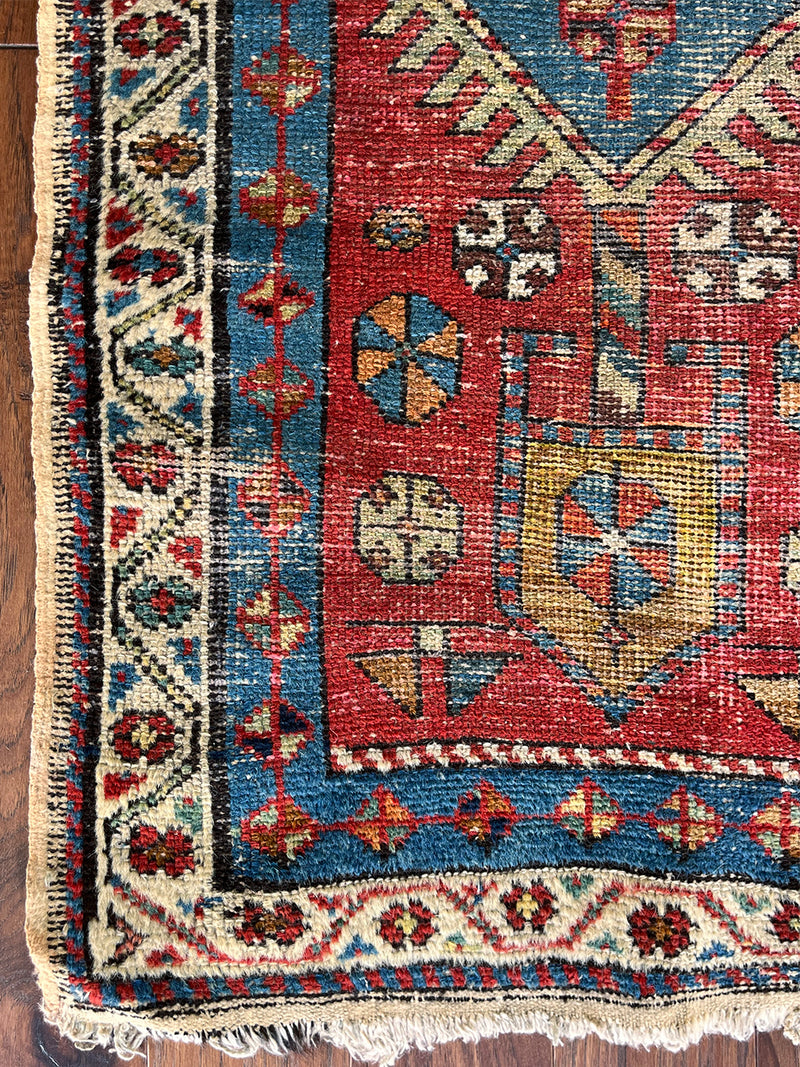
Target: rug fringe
x=383 y=1041
x=276 y=1040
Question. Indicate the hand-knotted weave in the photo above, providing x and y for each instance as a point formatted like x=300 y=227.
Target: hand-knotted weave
x=417 y=441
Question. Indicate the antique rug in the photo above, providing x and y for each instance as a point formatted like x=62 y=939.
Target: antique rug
x=417 y=453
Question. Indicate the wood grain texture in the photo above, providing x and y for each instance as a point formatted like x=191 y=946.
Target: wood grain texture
x=171 y=1055
x=721 y=1052
x=25 y=1038
x=18 y=22
x=508 y=1051
x=592 y=1051
x=774 y=1050
x=711 y=1052
x=522 y=1051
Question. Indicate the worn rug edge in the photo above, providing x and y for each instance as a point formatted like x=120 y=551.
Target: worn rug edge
x=368 y=1032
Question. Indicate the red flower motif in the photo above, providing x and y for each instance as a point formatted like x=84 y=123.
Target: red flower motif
x=166 y=957
x=161 y=34
x=128 y=37
x=176 y=155
x=409 y=924
x=786 y=922
x=130 y=263
x=651 y=930
x=533 y=905
x=189 y=552
x=191 y=321
x=152 y=851
x=173 y=33
x=117 y=785
x=137 y=735
x=138 y=465
x=282 y=924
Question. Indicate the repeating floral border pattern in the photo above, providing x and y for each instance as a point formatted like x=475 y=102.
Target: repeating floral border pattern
x=522 y=931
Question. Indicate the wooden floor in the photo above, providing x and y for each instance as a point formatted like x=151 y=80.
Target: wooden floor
x=25 y=1039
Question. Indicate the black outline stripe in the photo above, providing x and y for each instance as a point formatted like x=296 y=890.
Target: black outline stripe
x=220 y=442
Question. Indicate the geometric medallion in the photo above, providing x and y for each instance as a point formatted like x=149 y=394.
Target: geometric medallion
x=276 y=396
x=273 y=501
x=610 y=555
x=382 y=823
x=736 y=250
x=506 y=248
x=686 y=822
x=408 y=528
x=407 y=357
x=616 y=540
x=258 y=736
x=276 y=624
x=618 y=553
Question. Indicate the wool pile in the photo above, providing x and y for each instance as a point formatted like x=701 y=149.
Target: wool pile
x=417 y=452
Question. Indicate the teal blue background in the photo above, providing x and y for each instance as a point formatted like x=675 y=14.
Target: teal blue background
x=709 y=36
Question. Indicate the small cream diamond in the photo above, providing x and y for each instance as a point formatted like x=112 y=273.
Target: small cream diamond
x=431 y=638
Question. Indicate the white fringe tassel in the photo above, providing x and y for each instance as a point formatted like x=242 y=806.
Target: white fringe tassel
x=383 y=1040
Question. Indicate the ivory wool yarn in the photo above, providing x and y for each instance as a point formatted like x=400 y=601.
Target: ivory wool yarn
x=417 y=455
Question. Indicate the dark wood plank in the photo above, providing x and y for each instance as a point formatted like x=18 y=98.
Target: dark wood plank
x=711 y=1052
x=172 y=1054
x=719 y=1051
x=17 y=76
x=507 y=1051
x=774 y=1050
x=18 y=22
x=590 y=1052
x=175 y=1054
x=521 y=1050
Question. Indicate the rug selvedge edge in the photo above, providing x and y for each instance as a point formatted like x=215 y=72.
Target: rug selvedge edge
x=382 y=1036
x=45 y=159
x=364 y=1035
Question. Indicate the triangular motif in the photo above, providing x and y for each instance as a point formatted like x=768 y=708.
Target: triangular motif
x=778 y=696
x=397 y=673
